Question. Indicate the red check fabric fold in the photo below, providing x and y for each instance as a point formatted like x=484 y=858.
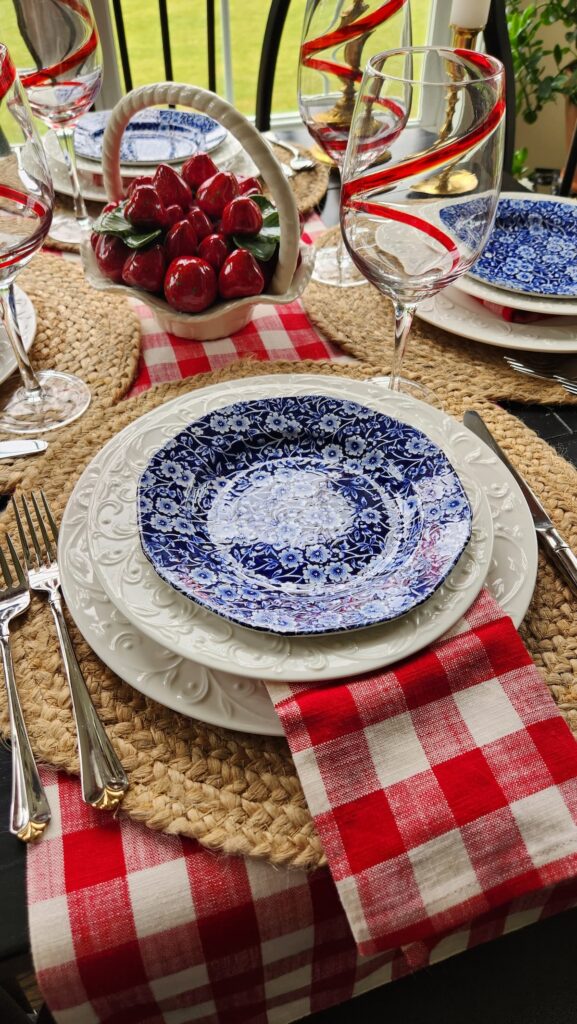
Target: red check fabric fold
x=442 y=788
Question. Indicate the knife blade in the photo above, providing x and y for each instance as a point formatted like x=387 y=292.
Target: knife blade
x=552 y=542
x=27 y=446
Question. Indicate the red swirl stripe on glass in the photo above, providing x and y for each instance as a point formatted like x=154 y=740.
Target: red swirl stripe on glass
x=345 y=35
x=7 y=74
x=45 y=76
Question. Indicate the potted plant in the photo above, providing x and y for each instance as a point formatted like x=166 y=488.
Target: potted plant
x=543 y=71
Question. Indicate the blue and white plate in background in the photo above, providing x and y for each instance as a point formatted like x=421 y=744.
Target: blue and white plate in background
x=151 y=136
x=532 y=248
x=302 y=515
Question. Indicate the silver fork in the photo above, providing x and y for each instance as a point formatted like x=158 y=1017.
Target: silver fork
x=102 y=776
x=29 y=810
x=540 y=367
x=298 y=162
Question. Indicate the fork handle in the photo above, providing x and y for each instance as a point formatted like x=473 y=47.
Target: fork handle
x=102 y=776
x=29 y=810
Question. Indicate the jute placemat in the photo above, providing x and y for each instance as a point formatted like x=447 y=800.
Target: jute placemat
x=309 y=187
x=360 y=321
x=95 y=335
x=231 y=791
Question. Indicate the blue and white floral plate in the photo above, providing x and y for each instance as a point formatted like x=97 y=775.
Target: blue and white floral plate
x=151 y=137
x=302 y=515
x=532 y=249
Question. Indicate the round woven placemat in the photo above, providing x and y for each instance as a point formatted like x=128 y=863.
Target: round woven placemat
x=93 y=334
x=360 y=321
x=231 y=791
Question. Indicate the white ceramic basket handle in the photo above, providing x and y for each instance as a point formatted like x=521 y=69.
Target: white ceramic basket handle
x=249 y=138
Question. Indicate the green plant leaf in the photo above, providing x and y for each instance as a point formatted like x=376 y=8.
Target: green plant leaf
x=262 y=247
x=115 y=223
x=140 y=241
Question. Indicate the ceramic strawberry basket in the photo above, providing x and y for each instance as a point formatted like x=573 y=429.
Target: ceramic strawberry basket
x=291 y=274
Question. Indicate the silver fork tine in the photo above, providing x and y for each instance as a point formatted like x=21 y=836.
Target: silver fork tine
x=32 y=531
x=49 y=549
x=21 y=533
x=50 y=517
x=16 y=561
x=5 y=570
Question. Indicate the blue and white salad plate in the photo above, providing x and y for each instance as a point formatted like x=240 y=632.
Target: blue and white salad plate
x=151 y=136
x=302 y=515
x=532 y=248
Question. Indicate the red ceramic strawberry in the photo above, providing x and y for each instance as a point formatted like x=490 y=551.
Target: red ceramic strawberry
x=145 y=268
x=171 y=187
x=110 y=207
x=197 y=169
x=249 y=186
x=214 y=193
x=200 y=222
x=111 y=254
x=173 y=214
x=181 y=240
x=94 y=239
x=144 y=209
x=190 y=284
x=214 y=250
x=240 y=275
x=241 y=216
x=145 y=179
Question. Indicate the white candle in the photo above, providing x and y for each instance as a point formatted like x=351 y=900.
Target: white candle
x=469 y=13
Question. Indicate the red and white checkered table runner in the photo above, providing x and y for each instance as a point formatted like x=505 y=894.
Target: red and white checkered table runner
x=130 y=926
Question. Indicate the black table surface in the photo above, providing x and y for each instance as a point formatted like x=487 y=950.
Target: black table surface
x=527 y=977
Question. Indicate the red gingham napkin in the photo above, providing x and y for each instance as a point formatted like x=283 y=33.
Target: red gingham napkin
x=441 y=788
x=514 y=316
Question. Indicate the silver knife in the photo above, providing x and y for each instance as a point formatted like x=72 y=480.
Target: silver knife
x=28 y=446
x=554 y=545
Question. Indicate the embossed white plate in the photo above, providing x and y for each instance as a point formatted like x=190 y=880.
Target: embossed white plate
x=458 y=313
x=27 y=323
x=528 y=303
x=194 y=632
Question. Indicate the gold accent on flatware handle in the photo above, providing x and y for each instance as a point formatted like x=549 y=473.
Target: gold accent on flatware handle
x=32 y=831
x=109 y=799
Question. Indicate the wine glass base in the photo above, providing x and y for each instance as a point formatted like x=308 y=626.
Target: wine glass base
x=66 y=228
x=410 y=387
x=328 y=270
x=62 y=399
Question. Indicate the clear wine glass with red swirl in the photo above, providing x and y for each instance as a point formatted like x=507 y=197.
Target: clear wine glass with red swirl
x=62 y=81
x=46 y=399
x=336 y=41
x=408 y=225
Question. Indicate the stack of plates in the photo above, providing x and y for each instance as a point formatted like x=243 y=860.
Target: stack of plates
x=319 y=528
x=529 y=263
x=151 y=137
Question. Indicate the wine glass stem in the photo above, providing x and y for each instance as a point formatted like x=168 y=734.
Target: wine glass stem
x=10 y=322
x=403 y=320
x=66 y=140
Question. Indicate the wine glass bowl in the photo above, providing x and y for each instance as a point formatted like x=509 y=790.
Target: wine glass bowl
x=47 y=399
x=62 y=82
x=422 y=116
x=335 y=40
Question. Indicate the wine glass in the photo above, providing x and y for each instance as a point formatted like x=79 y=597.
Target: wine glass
x=437 y=112
x=62 y=84
x=47 y=399
x=330 y=70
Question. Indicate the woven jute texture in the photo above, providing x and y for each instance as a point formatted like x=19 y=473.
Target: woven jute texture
x=231 y=791
x=93 y=334
x=309 y=187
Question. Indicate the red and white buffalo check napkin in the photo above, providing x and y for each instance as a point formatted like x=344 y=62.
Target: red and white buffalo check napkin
x=441 y=788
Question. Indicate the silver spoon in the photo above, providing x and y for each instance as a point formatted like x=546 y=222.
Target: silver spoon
x=298 y=162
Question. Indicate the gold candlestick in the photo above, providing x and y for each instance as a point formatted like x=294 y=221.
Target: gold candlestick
x=453 y=183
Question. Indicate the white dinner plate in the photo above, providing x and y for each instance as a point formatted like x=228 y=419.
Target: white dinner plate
x=459 y=313
x=27 y=323
x=195 y=633
x=487 y=292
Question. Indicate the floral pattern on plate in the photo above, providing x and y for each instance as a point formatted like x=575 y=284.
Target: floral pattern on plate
x=302 y=515
x=532 y=248
x=151 y=136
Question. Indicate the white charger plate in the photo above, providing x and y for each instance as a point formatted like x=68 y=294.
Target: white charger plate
x=27 y=323
x=195 y=633
x=487 y=292
x=458 y=313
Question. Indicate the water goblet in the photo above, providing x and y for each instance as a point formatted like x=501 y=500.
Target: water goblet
x=334 y=39
x=49 y=398
x=433 y=110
